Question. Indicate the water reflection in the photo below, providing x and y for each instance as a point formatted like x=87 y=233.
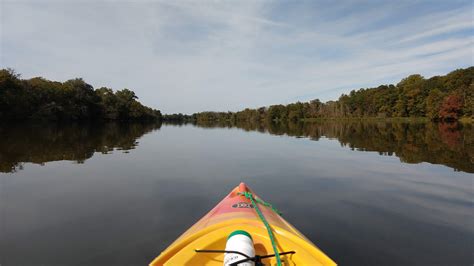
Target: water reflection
x=437 y=143
x=40 y=143
x=361 y=208
x=451 y=145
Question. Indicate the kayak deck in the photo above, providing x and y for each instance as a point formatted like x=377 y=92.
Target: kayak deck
x=235 y=212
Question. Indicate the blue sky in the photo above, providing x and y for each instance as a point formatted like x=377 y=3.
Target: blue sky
x=190 y=56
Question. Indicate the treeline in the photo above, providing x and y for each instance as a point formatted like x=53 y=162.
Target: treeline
x=438 y=98
x=75 y=100
x=178 y=118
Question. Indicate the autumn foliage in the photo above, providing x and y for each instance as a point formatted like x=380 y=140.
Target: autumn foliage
x=439 y=98
x=451 y=108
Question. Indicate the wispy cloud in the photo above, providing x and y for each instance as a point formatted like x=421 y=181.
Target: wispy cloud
x=187 y=56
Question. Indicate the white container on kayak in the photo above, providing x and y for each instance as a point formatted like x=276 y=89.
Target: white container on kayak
x=240 y=241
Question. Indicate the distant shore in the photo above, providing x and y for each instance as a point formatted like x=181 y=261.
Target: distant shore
x=445 y=98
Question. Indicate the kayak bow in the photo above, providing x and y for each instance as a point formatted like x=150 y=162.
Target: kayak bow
x=236 y=212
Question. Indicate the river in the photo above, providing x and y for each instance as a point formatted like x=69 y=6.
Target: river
x=366 y=193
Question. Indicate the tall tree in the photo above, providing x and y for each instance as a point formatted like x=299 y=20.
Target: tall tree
x=451 y=107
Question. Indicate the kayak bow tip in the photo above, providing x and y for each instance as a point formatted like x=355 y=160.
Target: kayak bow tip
x=243 y=187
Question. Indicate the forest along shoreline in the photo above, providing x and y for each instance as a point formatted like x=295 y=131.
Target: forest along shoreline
x=440 y=98
x=39 y=99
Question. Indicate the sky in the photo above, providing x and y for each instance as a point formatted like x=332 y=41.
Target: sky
x=192 y=56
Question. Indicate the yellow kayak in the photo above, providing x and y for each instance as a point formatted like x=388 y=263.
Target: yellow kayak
x=242 y=211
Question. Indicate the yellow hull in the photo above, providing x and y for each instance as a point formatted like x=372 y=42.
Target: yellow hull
x=236 y=213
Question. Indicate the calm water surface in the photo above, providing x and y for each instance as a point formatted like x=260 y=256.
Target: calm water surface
x=365 y=193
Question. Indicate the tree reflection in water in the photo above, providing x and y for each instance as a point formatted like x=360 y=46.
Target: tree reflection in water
x=449 y=144
x=40 y=143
